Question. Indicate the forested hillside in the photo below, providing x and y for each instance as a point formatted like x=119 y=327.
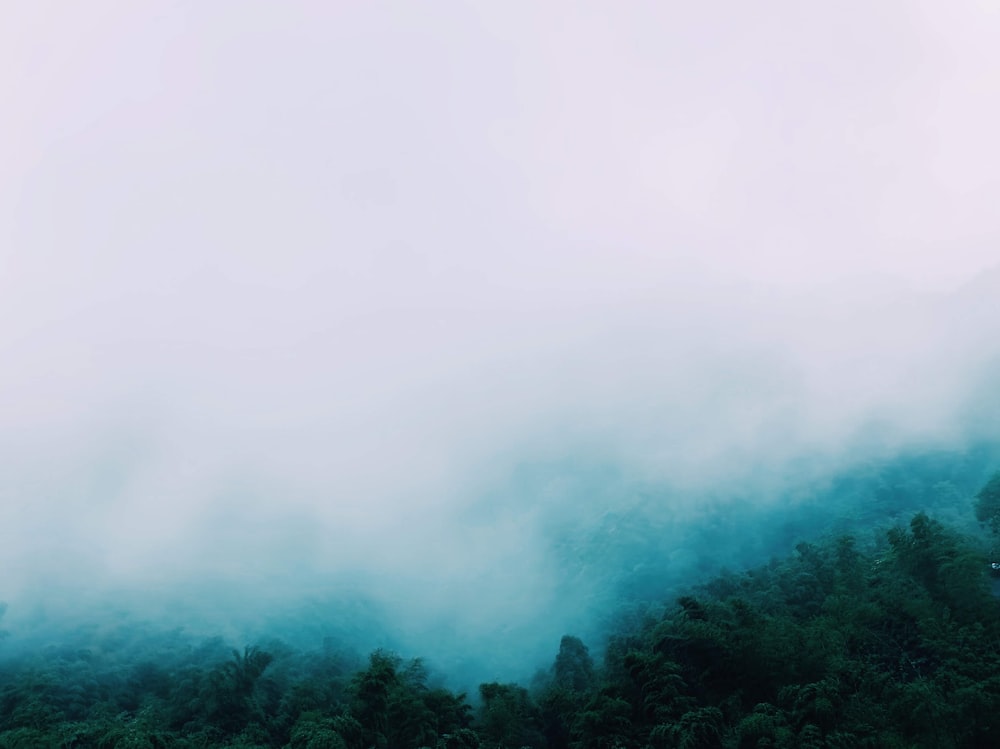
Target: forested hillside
x=896 y=644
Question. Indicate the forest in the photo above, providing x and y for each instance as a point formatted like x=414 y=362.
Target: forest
x=841 y=641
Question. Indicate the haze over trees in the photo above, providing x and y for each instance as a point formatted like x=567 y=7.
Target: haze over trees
x=882 y=638
x=388 y=375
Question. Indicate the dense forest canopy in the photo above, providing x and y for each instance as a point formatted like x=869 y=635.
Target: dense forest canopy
x=886 y=637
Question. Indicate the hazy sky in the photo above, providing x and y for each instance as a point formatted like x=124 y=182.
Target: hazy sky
x=287 y=287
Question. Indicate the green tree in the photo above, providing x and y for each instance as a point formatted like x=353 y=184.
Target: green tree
x=372 y=688
x=508 y=717
x=313 y=731
x=574 y=668
x=988 y=503
x=605 y=723
x=231 y=697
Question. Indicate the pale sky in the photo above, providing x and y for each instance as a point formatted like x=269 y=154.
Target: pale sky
x=332 y=268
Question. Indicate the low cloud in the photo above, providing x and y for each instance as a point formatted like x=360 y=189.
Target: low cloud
x=359 y=301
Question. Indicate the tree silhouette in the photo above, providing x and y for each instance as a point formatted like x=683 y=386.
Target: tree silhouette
x=988 y=503
x=231 y=699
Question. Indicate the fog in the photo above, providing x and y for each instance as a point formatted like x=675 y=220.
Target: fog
x=308 y=306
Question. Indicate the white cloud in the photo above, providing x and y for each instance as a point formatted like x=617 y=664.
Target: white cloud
x=332 y=273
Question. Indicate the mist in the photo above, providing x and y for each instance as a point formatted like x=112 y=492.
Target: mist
x=375 y=318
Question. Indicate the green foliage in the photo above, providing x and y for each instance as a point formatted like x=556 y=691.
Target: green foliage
x=463 y=738
x=232 y=696
x=605 y=722
x=371 y=689
x=701 y=728
x=988 y=503
x=660 y=693
x=765 y=726
x=508 y=717
x=828 y=647
x=314 y=731
x=574 y=668
x=841 y=643
x=394 y=707
x=948 y=568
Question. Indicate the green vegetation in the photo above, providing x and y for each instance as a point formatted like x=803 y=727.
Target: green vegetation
x=896 y=644
x=988 y=503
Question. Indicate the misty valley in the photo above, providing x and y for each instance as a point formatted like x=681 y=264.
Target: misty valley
x=499 y=375
x=862 y=614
